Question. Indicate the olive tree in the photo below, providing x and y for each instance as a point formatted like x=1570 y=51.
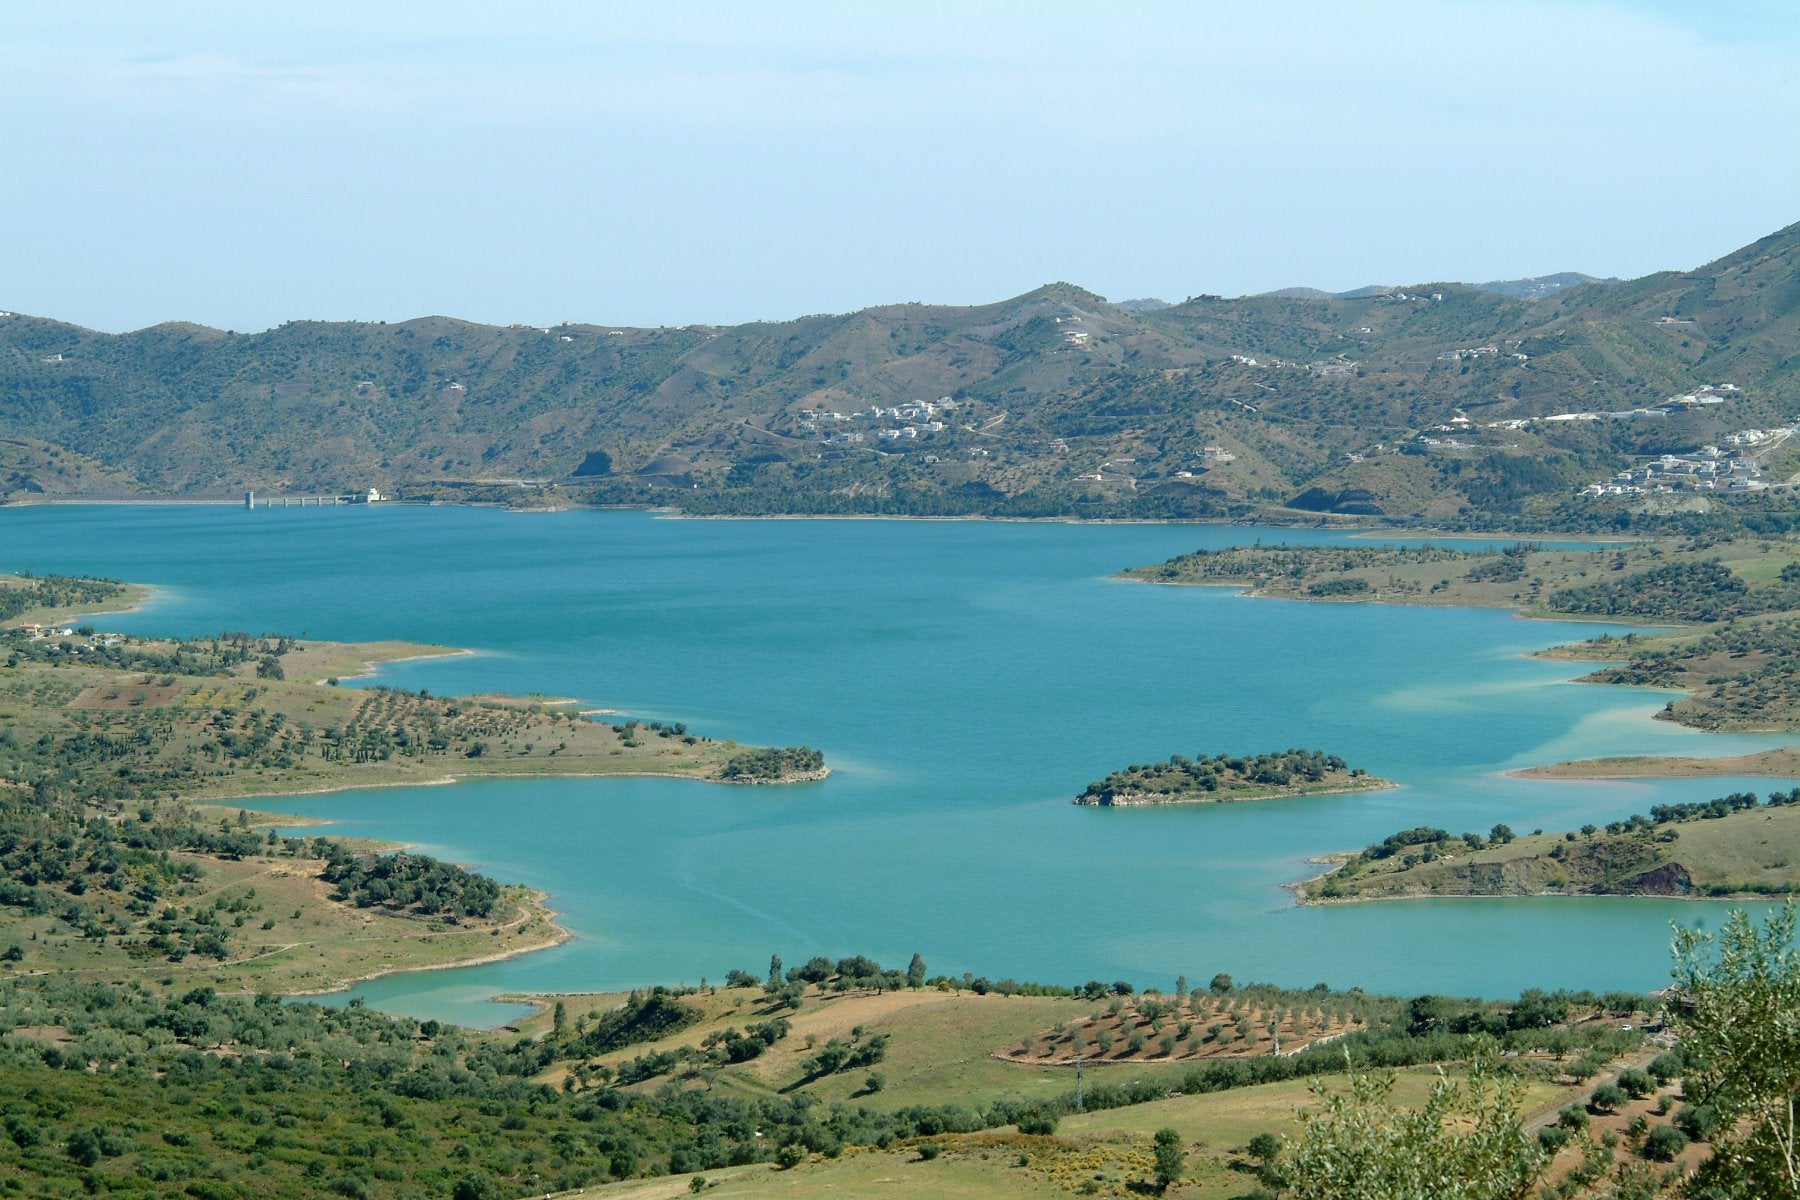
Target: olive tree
x=1739 y=995
x=1465 y=1143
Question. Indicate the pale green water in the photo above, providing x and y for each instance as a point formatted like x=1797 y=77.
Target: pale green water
x=964 y=679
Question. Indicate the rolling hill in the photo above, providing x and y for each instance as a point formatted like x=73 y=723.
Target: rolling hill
x=1053 y=403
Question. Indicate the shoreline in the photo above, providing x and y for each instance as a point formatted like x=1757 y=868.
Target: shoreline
x=1251 y=591
x=371 y=667
x=1777 y=762
x=537 y=900
x=1302 y=901
x=138 y=596
x=537 y=905
x=1331 y=862
x=447 y=780
x=675 y=512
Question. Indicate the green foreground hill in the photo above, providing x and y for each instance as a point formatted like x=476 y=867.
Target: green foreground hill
x=1402 y=402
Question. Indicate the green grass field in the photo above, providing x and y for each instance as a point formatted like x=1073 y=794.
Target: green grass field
x=1109 y=1149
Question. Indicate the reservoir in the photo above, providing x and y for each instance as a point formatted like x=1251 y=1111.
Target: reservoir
x=965 y=680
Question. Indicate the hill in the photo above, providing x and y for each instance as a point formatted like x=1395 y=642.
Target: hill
x=1540 y=285
x=1734 y=845
x=1423 y=402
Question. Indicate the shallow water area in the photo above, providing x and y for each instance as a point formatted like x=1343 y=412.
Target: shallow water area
x=965 y=679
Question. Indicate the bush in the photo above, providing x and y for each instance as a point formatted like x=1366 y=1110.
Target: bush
x=1698 y=1121
x=476 y=1185
x=929 y=1151
x=1664 y=1143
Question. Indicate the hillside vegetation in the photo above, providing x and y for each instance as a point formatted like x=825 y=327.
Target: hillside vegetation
x=1053 y=403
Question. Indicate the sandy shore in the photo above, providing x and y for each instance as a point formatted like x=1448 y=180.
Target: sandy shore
x=1782 y=762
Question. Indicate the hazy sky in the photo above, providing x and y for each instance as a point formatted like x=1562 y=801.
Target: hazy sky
x=242 y=164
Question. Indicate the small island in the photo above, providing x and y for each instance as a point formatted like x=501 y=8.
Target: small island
x=1223 y=778
x=1731 y=846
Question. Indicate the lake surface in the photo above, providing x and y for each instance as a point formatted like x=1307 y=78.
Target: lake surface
x=964 y=679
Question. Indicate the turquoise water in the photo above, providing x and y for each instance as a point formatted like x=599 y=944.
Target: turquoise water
x=964 y=679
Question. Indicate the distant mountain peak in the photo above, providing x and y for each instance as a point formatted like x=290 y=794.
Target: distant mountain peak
x=1295 y=293
x=1066 y=293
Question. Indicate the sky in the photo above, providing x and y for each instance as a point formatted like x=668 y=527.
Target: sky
x=241 y=165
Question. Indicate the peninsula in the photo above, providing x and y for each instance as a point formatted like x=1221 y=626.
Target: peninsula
x=1730 y=611
x=1732 y=846
x=1223 y=778
x=116 y=751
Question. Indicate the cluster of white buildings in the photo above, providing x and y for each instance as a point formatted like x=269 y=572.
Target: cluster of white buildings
x=1489 y=351
x=1706 y=397
x=1707 y=469
x=1072 y=335
x=910 y=420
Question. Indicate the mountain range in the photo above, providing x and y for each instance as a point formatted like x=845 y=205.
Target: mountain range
x=1422 y=402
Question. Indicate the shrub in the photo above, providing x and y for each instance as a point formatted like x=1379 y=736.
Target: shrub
x=1698 y=1121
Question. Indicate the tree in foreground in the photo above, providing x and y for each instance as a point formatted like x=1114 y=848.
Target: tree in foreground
x=1171 y=1158
x=1740 y=990
x=1465 y=1143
